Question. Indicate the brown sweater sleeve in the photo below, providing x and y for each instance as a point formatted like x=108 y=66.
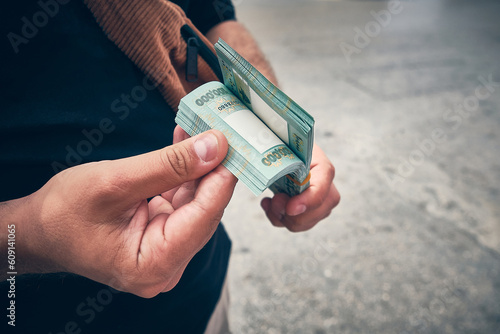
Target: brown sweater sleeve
x=148 y=32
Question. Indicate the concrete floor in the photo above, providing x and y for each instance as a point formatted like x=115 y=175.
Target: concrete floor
x=403 y=111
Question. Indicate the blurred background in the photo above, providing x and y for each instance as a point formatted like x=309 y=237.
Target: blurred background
x=406 y=97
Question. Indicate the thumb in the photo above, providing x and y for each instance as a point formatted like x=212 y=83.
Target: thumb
x=150 y=174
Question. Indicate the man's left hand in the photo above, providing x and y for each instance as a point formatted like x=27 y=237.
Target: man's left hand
x=302 y=212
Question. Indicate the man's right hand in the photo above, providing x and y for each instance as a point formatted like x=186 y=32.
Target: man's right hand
x=94 y=219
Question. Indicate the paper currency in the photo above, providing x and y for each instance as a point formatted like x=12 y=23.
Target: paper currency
x=270 y=137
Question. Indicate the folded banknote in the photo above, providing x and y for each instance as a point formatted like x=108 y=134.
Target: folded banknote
x=270 y=137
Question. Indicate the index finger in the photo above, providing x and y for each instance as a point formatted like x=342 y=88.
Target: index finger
x=322 y=175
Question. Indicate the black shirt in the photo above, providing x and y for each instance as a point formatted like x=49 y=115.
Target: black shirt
x=70 y=96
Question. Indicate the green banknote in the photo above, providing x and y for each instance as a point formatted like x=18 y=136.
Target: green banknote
x=270 y=137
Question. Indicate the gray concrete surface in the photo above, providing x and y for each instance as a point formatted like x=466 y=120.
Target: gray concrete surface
x=414 y=246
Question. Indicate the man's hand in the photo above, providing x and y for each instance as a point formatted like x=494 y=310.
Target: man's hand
x=302 y=212
x=94 y=219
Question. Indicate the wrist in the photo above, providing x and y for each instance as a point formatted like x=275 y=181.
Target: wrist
x=240 y=39
x=20 y=239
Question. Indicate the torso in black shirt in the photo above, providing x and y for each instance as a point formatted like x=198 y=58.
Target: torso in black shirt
x=69 y=96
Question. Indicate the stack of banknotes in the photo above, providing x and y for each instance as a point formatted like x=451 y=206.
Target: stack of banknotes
x=270 y=137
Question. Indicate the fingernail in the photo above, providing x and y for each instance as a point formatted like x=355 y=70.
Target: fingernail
x=301 y=208
x=206 y=147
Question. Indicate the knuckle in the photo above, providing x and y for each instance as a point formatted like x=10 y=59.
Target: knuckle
x=173 y=282
x=295 y=226
x=105 y=182
x=336 y=200
x=326 y=214
x=178 y=158
x=143 y=286
x=317 y=200
x=147 y=292
x=333 y=198
x=124 y=279
x=212 y=217
x=329 y=198
x=330 y=172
